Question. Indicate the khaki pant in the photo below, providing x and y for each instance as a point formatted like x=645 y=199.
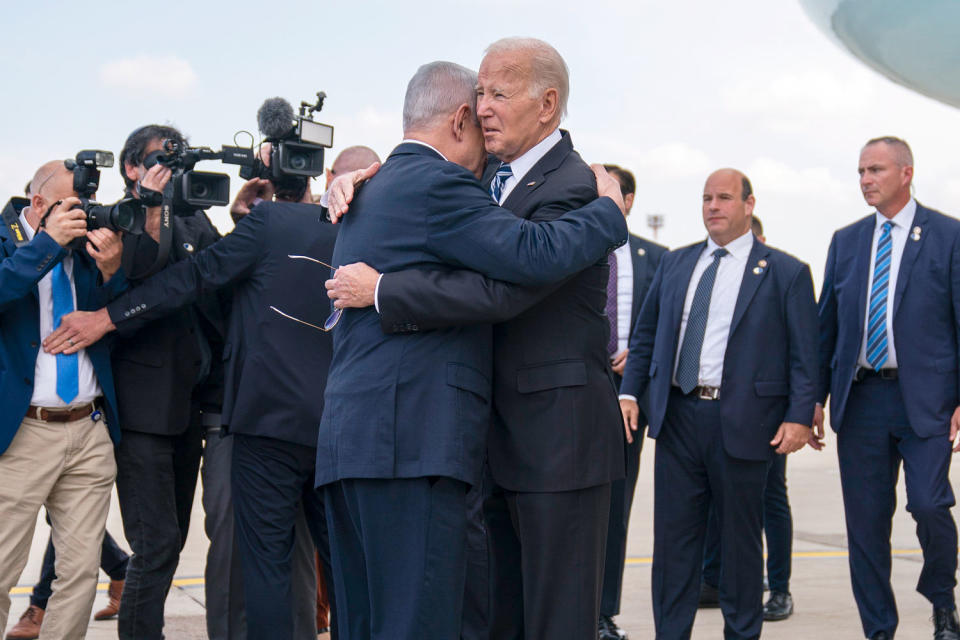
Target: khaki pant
x=69 y=468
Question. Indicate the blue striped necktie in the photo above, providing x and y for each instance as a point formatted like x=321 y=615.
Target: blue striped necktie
x=688 y=365
x=68 y=372
x=504 y=172
x=877 y=311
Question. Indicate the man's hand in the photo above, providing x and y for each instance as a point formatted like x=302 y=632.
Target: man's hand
x=106 y=248
x=791 y=436
x=955 y=429
x=816 y=435
x=253 y=189
x=631 y=416
x=619 y=361
x=78 y=330
x=608 y=186
x=66 y=223
x=155 y=179
x=342 y=189
x=353 y=285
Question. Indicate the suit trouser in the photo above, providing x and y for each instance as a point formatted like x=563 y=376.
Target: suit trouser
x=69 y=468
x=397 y=549
x=156 y=479
x=691 y=470
x=777 y=529
x=478 y=593
x=621 y=501
x=875 y=437
x=113 y=561
x=548 y=556
x=272 y=484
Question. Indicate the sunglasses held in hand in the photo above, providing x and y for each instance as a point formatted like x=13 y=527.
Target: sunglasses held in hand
x=331 y=320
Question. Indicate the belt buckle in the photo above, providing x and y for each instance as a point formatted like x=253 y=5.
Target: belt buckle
x=708 y=393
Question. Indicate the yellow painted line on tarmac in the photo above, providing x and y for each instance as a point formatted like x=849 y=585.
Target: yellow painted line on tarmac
x=796 y=554
x=102 y=586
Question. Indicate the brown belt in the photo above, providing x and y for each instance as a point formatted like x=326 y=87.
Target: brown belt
x=60 y=415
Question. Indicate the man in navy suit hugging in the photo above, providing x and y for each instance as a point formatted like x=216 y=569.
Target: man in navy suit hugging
x=726 y=345
x=406 y=416
x=889 y=314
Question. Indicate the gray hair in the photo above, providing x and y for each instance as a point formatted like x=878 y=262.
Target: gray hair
x=435 y=91
x=547 y=68
x=901 y=150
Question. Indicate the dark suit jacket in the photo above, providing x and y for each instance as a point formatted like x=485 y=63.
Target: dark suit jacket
x=20 y=271
x=556 y=423
x=276 y=369
x=158 y=365
x=418 y=405
x=926 y=319
x=770 y=364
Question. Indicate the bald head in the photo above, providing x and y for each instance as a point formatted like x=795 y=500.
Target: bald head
x=353 y=158
x=727 y=205
x=54 y=180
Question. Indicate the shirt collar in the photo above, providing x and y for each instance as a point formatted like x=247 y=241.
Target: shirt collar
x=903 y=219
x=520 y=166
x=739 y=248
x=428 y=146
x=27 y=229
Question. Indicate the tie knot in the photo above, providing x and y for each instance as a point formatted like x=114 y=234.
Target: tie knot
x=719 y=253
x=888 y=226
x=504 y=171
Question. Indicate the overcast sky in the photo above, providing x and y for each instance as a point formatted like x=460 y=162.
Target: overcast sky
x=670 y=90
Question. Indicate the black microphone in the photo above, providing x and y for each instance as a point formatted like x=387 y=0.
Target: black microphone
x=275 y=118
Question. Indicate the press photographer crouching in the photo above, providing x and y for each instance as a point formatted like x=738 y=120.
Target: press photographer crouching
x=59 y=419
x=169 y=384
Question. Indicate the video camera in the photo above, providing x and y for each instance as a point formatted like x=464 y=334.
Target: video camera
x=127 y=215
x=193 y=189
x=297 y=142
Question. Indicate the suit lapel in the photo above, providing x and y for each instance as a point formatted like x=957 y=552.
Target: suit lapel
x=537 y=175
x=910 y=253
x=82 y=282
x=681 y=282
x=640 y=266
x=752 y=277
x=862 y=267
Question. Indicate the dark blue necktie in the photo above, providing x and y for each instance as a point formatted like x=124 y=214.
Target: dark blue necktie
x=688 y=366
x=68 y=373
x=877 y=312
x=503 y=174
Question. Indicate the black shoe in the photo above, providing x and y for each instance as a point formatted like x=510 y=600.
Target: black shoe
x=945 y=624
x=709 y=596
x=607 y=629
x=881 y=635
x=778 y=607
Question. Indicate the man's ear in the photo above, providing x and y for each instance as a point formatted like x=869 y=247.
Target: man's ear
x=131 y=171
x=460 y=120
x=549 y=105
x=38 y=204
x=628 y=201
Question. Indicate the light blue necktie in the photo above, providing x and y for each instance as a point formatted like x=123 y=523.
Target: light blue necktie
x=688 y=366
x=68 y=373
x=504 y=172
x=877 y=311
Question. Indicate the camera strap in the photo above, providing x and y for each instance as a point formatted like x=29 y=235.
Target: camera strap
x=164 y=241
x=11 y=218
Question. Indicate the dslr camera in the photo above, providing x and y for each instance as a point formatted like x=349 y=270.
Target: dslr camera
x=126 y=215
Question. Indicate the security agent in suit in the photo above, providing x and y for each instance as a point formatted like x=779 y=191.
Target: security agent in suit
x=58 y=420
x=777 y=531
x=889 y=313
x=555 y=444
x=630 y=279
x=406 y=416
x=725 y=347
x=275 y=365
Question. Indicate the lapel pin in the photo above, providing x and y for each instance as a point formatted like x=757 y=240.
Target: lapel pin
x=762 y=264
x=188 y=247
x=916 y=234
x=757 y=270
x=530 y=184
x=641 y=251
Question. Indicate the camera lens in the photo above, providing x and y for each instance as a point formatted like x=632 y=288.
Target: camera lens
x=123 y=218
x=299 y=161
x=199 y=190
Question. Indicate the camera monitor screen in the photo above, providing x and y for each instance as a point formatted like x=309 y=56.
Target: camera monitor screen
x=316 y=133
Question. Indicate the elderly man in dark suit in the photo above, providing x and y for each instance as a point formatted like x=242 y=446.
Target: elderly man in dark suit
x=555 y=445
x=631 y=271
x=889 y=358
x=406 y=417
x=725 y=347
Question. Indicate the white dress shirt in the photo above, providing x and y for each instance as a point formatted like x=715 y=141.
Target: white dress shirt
x=45 y=371
x=726 y=289
x=522 y=165
x=624 y=294
x=902 y=228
